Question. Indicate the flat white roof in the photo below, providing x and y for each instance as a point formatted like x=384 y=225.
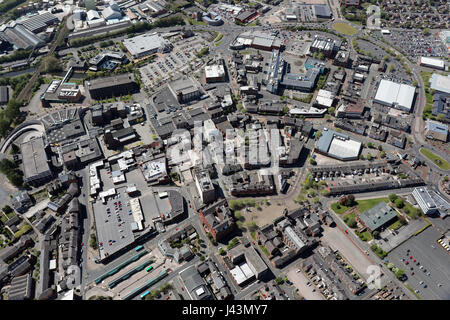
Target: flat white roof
x=323 y=101
x=214 y=71
x=437 y=63
x=344 y=149
x=395 y=95
x=238 y=275
x=143 y=43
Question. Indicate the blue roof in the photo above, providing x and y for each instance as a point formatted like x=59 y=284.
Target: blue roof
x=437 y=127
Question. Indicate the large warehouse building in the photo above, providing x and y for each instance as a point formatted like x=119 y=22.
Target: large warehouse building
x=337 y=145
x=396 y=95
x=146 y=44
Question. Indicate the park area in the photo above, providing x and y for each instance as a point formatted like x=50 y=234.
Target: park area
x=441 y=163
x=345 y=29
x=362 y=205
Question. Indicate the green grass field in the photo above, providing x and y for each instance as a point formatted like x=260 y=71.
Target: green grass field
x=441 y=163
x=345 y=29
x=362 y=205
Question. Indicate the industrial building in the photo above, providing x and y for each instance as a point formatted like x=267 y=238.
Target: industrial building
x=146 y=44
x=39 y=22
x=35 y=162
x=432 y=63
x=396 y=95
x=114 y=86
x=338 y=146
x=377 y=217
x=20 y=37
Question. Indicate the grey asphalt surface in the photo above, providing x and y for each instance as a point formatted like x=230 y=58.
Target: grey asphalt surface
x=434 y=260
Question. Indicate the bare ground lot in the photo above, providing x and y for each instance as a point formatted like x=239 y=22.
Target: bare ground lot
x=268 y=212
x=336 y=239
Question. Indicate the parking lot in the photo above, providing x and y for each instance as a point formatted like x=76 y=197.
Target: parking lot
x=426 y=270
x=113 y=223
x=300 y=281
x=414 y=44
x=179 y=60
x=336 y=239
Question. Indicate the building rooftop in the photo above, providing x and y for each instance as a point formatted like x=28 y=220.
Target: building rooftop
x=35 y=161
x=142 y=44
x=395 y=95
x=338 y=145
x=440 y=83
x=378 y=216
x=118 y=80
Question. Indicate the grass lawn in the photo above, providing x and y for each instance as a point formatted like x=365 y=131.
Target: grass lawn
x=345 y=29
x=341 y=208
x=364 y=236
x=364 y=205
x=441 y=163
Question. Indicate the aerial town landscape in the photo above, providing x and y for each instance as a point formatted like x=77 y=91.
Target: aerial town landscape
x=224 y=150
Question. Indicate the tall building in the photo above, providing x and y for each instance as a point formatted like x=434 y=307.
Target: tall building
x=425 y=201
x=204 y=185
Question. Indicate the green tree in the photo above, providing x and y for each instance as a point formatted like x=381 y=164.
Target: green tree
x=399 y=203
x=393 y=197
x=251 y=226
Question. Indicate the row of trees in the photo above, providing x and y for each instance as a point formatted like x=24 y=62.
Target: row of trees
x=17 y=55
